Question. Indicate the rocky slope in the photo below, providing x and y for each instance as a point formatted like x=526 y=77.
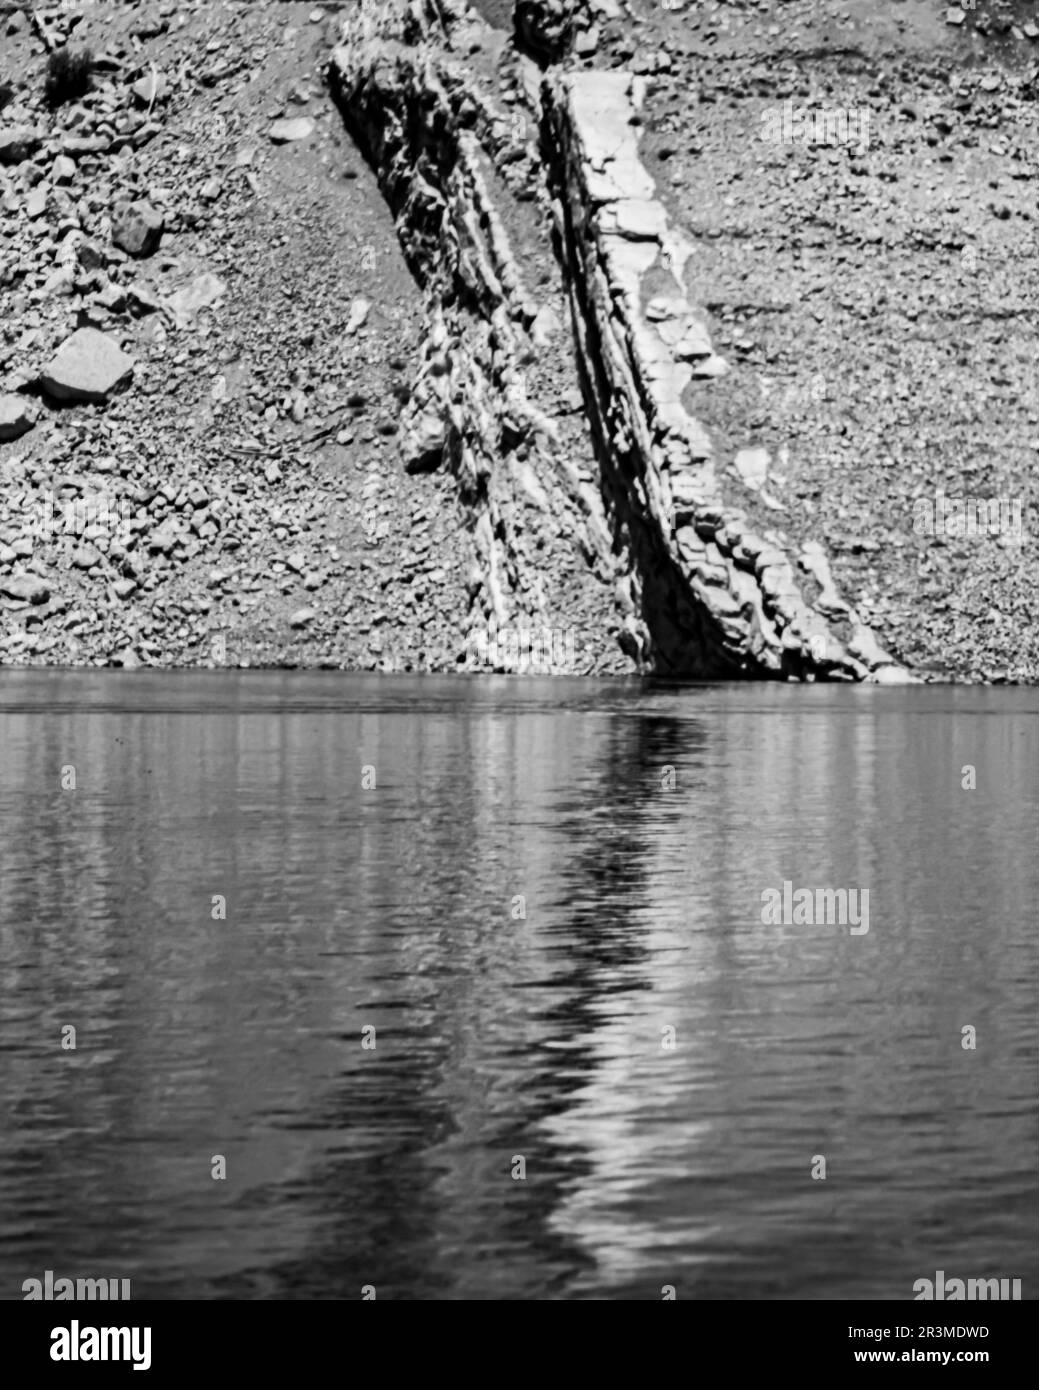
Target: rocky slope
x=238 y=497
x=381 y=336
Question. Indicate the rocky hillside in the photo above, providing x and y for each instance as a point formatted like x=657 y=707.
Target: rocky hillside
x=412 y=336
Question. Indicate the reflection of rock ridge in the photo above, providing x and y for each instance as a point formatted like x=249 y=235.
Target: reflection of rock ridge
x=612 y=947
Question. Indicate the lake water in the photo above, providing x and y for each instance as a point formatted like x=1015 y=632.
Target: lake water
x=506 y=1029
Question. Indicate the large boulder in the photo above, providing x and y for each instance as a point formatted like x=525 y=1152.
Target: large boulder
x=18 y=414
x=89 y=366
x=294 y=128
x=137 y=228
x=18 y=143
x=24 y=588
x=423 y=441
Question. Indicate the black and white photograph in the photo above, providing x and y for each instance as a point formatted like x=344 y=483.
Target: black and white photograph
x=519 y=727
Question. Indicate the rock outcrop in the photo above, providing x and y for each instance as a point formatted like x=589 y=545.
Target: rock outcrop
x=707 y=595
x=430 y=127
x=719 y=598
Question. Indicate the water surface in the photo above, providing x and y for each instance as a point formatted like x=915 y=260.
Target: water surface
x=522 y=907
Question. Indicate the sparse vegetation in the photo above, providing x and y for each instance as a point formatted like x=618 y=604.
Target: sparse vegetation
x=68 y=75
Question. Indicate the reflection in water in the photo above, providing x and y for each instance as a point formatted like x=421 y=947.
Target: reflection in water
x=528 y=908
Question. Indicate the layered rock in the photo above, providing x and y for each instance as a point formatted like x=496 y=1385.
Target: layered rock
x=719 y=598
x=438 y=143
x=705 y=595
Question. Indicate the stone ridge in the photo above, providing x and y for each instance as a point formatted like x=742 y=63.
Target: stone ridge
x=707 y=596
x=435 y=139
x=642 y=344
